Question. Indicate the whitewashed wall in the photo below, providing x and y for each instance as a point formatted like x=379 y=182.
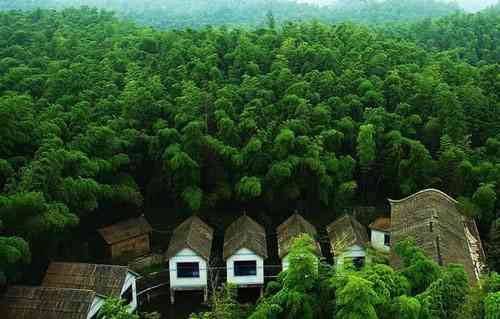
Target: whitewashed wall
x=130 y=281
x=187 y=256
x=351 y=252
x=285 y=263
x=95 y=307
x=245 y=255
x=377 y=239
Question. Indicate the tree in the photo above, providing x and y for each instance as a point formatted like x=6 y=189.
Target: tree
x=115 y=309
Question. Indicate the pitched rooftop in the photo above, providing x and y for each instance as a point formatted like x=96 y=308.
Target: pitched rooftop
x=245 y=233
x=125 y=230
x=194 y=234
x=291 y=229
x=346 y=232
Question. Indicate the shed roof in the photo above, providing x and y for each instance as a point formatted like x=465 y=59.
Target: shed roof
x=125 y=230
x=245 y=233
x=432 y=219
x=106 y=280
x=21 y=302
x=293 y=227
x=194 y=234
x=346 y=232
x=381 y=224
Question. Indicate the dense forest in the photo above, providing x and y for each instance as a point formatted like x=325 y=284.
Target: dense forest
x=101 y=118
x=199 y=13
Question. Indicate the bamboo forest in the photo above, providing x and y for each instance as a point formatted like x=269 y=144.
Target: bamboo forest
x=258 y=159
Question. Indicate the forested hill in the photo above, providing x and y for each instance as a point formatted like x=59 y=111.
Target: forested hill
x=474 y=37
x=198 y=13
x=100 y=119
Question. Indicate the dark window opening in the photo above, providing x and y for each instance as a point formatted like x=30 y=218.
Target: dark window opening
x=128 y=296
x=387 y=239
x=95 y=315
x=188 y=270
x=358 y=262
x=245 y=268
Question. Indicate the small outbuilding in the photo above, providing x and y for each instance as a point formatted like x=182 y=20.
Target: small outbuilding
x=245 y=249
x=130 y=238
x=348 y=239
x=188 y=256
x=20 y=302
x=290 y=229
x=105 y=280
x=380 y=235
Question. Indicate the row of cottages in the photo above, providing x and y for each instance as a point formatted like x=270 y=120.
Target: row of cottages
x=70 y=290
x=244 y=252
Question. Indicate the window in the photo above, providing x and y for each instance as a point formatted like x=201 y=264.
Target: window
x=387 y=239
x=358 y=262
x=245 y=268
x=128 y=296
x=188 y=270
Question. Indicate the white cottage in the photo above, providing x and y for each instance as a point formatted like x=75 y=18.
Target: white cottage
x=348 y=239
x=105 y=280
x=188 y=256
x=20 y=302
x=290 y=229
x=381 y=234
x=245 y=249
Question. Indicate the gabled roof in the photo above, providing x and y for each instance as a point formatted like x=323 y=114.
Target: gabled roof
x=432 y=219
x=382 y=224
x=106 y=280
x=125 y=230
x=245 y=233
x=194 y=234
x=293 y=227
x=45 y=303
x=346 y=232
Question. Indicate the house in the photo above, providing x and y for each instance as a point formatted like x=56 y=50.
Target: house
x=188 y=256
x=432 y=219
x=105 y=280
x=348 y=239
x=290 y=229
x=380 y=234
x=21 y=302
x=130 y=238
x=245 y=249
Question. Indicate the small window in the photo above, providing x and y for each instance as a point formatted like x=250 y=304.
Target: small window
x=188 y=270
x=358 y=262
x=127 y=296
x=245 y=268
x=387 y=239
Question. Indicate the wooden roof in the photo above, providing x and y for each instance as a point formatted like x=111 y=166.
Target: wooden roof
x=381 y=224
x=106 y=280
x=432 y=219
x=45 y=303
x=346 y=232
x=293 y=227
x=194 y=234
x=245 y=233
x=125 y=230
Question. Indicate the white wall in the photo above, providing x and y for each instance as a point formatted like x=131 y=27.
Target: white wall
x=285 y=263
x=95 y=307
x=377 y=239
x=187 y=256
x=245 y=255
x=130 y=281
x=351 y=252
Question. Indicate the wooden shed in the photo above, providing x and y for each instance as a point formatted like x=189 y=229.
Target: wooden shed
x=290 y=229
x=105 y=280
x=21 y=302
x=130 y=238
x=245 y=249
x=432 y=219
x=348 y=239
x=188 y=256
x=380 y=234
